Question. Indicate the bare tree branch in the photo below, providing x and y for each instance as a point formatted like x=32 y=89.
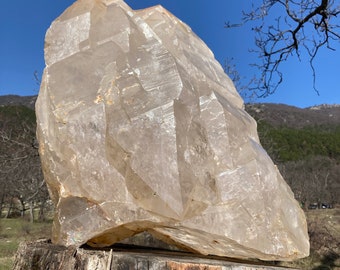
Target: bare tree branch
x=306 y=27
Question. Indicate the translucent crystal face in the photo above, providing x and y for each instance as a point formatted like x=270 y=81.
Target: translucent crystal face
x=141 y=130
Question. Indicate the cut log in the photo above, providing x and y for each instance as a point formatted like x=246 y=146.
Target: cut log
x=45 y=255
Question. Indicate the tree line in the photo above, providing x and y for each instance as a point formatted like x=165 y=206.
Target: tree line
x=308 y=158
x=23 y=189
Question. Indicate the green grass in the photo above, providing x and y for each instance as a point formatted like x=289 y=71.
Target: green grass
x=14 y=231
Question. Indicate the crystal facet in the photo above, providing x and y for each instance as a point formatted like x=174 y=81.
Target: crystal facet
x=141 y=130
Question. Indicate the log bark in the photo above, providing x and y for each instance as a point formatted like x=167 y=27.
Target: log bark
x=45 y=255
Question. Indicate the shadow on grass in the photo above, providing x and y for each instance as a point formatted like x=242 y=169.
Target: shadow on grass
x=328 y=262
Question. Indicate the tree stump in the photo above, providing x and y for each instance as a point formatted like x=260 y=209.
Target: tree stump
x=45 y=255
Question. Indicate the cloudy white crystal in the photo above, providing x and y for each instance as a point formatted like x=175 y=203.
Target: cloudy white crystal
x=141 y=130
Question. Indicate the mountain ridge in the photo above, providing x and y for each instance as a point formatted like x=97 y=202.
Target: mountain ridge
x=27 y=101
x=276 y=114
x=279 y=115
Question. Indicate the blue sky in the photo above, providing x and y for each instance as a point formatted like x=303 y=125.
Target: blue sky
x=23 y=25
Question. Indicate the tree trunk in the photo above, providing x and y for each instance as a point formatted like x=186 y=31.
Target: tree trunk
x=9 y=208
x=31 y=212
x=41 y=215
x=22 y=210
x=2 y=204
x=42 y=255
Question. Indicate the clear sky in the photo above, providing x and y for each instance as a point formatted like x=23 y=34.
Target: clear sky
x=23 y=25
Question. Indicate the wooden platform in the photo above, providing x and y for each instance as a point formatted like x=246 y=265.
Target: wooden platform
x=44 y=255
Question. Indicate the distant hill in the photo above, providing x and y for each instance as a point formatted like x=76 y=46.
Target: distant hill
x=289 y=133
x=305 y=145
x=279 y=115
x=27 y=101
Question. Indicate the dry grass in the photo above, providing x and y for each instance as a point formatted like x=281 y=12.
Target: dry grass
x=14 y=231
x=324 y=233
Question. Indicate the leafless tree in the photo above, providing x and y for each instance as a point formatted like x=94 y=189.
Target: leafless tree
x=313 y=180
x=305 y=27
x=20 y=176
x=230 y=68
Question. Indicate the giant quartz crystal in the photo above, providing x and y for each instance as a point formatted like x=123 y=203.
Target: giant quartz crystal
x=141 y=130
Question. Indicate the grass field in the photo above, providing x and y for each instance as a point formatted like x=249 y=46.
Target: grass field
x=14 y=231
x=323 y=224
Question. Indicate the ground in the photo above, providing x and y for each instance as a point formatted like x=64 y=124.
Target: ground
x=324 y=233
x=14 y=231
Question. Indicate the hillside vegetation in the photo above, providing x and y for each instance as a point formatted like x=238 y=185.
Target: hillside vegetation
x=305 y=144
x=291 y=144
